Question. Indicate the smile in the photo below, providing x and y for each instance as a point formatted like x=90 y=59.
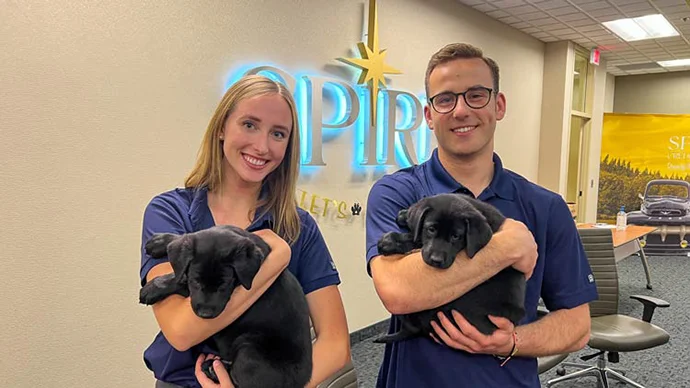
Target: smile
x=254 y=162
x=464 y=129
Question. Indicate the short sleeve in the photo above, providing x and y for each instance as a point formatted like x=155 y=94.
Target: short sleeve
x=315 y=266
x=160 y=216
x=568 y=280
x=386 y=198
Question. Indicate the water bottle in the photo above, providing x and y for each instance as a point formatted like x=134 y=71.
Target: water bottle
x=621 y=219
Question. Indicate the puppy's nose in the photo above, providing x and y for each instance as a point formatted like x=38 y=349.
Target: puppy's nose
x=437 y=259
x=205 y=312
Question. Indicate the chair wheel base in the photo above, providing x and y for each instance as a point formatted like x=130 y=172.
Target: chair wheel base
x=560 y=371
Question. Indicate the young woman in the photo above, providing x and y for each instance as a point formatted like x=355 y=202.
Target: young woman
x=245 y=175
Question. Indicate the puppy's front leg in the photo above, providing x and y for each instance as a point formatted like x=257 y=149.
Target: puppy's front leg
x=396 y=243
x=160 y=288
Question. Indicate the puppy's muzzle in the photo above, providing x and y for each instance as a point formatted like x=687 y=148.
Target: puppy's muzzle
x=206 y=312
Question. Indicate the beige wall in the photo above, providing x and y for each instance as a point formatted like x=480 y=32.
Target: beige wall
x=555 y=115
x=103 y=107
x=609 y=93
x=665 y=93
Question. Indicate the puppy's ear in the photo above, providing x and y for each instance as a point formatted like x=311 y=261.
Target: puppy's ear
x=181 y=253
x=246 y=267
x=478 y=233
x=415 y=220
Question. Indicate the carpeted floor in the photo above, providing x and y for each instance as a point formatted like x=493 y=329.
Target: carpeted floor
x=663 y=367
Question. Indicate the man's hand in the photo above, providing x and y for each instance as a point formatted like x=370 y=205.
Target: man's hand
x=471 y=340
x=516 y=243
x=223 y=376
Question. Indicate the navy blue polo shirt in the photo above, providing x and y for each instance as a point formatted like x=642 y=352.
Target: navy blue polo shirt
x=182 y=211
x=562 y=276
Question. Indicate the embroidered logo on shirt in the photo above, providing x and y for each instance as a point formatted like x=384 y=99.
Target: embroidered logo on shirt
x=591 y=278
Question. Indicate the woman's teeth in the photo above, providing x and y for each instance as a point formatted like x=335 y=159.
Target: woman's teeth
x=254 y=161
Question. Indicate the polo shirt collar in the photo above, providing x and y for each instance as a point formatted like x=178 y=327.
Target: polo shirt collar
x=201 y=216
x=442 y=182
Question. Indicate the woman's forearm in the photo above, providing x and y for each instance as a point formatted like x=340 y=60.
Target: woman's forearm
x=184 y=329
x=329 y=357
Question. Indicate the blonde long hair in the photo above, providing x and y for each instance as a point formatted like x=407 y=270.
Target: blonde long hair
x=280 y=185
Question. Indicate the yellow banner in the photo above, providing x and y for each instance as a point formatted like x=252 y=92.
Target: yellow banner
x=635 y=149
x=657 y=143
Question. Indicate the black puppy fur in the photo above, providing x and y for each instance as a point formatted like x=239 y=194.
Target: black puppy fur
x=267 y=346
x=442 y=226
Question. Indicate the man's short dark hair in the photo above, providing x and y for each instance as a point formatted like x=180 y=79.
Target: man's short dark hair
x=455 y=51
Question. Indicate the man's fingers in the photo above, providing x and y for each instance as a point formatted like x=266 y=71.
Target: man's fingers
x=458 y=336
x=502 y=323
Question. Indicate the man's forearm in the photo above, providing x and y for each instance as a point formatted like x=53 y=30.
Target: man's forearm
x=561 y=331
x=406 y=284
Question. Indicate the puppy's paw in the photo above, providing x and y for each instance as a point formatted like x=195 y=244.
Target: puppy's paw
x=401 y=219
x=157 y=246
x=390 y=244
x=157 y=289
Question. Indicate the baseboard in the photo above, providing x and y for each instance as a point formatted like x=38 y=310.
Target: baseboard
x=367 y=332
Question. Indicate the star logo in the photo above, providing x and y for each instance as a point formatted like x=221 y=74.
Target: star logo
x=372 y=62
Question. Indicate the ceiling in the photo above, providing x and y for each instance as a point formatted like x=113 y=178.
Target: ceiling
x=580 y=21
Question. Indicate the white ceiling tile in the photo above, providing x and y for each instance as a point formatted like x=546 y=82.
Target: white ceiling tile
x=665 y=3
x=530 y=30
x=675 y=8
x=564 y=11
x=550 y=39
x=551 y=27
x=638 y=7
x=606 y=14
x=484 y=7
x=509 y=20
x=521 y=25
x=562 y=31
x=573 y=17
x=592 y=28
x=544 y=22
x=627 y=2
x=521 y=10
x=572 y=37
x=540 y=35
x=637 y=14
x=471 y=2
x=579 y=24
x=507 y=3
x=496 y=14
x=551 y=4
x=596 y=5
x=533 y=16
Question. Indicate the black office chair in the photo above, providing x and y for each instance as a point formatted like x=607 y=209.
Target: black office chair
x=612 y=333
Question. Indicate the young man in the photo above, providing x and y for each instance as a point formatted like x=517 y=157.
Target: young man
x=539 y=239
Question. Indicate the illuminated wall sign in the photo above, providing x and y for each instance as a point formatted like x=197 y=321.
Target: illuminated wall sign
x=385 y=131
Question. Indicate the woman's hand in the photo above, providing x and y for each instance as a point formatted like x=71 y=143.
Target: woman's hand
x=274 y=241
x=221 y=372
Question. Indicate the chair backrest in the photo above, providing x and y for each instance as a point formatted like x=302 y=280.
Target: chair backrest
x=598 y=243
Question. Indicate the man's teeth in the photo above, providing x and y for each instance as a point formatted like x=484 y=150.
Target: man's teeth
x=464 y=129
x=254 y=161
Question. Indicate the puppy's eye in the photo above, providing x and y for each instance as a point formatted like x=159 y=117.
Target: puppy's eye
x=454 y=237
x=431 y=229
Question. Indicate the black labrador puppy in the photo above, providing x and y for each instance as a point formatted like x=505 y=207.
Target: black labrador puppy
x=267 y=346
x=442 y=226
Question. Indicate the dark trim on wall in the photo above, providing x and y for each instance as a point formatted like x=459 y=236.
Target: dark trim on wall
x=370 y=331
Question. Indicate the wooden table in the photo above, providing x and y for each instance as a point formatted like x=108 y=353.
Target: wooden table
x=627 y=242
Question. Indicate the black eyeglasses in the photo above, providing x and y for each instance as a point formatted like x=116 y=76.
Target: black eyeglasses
x=475 y=98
